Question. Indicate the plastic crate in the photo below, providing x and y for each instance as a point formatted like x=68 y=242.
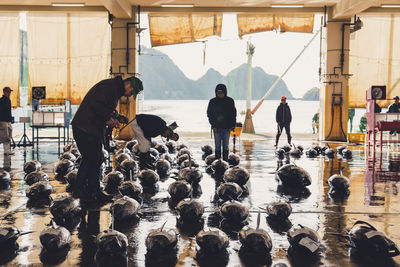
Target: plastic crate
x=48 y=118
x=357 y=138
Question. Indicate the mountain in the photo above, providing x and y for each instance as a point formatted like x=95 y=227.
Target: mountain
x=162 y=79
x=312 y=94
x=208 y=82
x=261 y=82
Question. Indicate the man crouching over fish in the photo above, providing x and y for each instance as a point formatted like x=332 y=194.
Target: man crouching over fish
x=88 y=127
x=145 y=127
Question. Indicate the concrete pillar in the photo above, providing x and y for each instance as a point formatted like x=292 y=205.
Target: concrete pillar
x=334 y=87
x=124 y=62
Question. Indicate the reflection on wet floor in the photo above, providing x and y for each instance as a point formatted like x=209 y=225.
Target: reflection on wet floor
x=373 y=198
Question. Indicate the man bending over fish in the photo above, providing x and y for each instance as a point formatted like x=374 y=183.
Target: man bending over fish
x=146 y=126
x=88 y=127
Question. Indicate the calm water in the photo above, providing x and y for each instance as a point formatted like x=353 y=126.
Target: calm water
x=191 y=114
x=374 y=198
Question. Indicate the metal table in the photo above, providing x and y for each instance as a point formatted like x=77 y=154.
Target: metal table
x=47 y=137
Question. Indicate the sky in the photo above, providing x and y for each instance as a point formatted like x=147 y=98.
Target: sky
x=274 y=52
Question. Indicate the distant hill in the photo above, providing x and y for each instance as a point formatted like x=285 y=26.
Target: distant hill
x=312 y=94
x=162 y=79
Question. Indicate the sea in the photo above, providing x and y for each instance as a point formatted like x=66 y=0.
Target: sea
x=191 y=115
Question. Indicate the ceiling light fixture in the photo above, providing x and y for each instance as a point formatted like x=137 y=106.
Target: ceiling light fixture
x=178 y=5
x=286 y=6
x=68 y=4
x=390 y=6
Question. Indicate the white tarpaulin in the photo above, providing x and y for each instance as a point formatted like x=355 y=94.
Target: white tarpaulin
x=9 y=54
x=67 y=53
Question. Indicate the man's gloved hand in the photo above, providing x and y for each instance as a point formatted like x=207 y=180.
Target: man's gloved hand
x=112 y=123
x=120 y=118
x=123 y=119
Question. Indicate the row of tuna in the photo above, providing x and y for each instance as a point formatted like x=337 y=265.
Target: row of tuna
x=313 y=152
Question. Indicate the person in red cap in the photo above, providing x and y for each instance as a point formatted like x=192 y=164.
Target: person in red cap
x=5 y=121
x=283 y=119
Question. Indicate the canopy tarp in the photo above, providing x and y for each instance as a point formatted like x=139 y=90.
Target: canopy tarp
x=253 y=23
x=67 y=53
x=9 y=54
x=375 y=58
x=167 y=29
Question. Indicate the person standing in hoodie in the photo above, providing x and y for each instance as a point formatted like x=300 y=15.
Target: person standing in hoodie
x=221 y=113
x=283 y=119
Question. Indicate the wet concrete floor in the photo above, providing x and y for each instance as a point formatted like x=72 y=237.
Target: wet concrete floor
x=374 y=198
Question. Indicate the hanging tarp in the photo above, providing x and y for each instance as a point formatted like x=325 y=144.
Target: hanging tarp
x=303 y=23
x=375 y=58
x=10 y=54
x=67 y=53
x=167 y=29
x=253 y=23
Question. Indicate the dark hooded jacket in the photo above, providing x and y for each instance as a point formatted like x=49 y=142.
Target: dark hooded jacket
x=221 y=112
x=5 y=109
x=394 y=108
x=283 y=114
x=151 y=125
x=97 y=106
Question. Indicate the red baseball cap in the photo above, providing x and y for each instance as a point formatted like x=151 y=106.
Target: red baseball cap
x=283 y=98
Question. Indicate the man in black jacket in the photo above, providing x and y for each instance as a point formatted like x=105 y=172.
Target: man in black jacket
x=5 y=121
x=221 y=113
x=283 y=119
x=395 y=106
x=145 y=127
x=88 y=126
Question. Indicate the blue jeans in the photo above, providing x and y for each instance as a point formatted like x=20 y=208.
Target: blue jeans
x=221 y=137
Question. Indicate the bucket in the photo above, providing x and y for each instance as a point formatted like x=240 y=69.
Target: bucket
x=237 y=130
x=357 y=138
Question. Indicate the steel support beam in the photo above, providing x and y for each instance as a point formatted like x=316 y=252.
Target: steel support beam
x=231 y=9
x=53 y=8
x=119 y=8
x=349 y=8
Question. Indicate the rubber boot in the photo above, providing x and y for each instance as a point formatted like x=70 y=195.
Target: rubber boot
x=217 y=154
x=7 y=149
x=94 y=187
x=81 y=186
x=225 y=154
x=145 y=161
